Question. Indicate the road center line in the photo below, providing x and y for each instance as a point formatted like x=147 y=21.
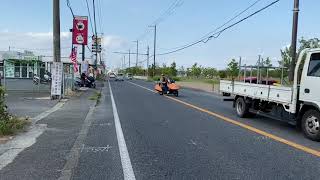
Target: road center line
x=128 y=173
x=245 y=126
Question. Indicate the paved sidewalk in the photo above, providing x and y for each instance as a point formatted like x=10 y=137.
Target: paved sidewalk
x=28 y=104
x=51 y=140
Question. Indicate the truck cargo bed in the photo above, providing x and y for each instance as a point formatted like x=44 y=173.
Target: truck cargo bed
x=277 y=94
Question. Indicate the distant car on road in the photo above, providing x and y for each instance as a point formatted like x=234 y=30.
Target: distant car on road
x=129 y=76
x=112 y=75
x=120 y=77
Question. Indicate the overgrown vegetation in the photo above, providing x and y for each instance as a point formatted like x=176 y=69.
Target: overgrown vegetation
x=96 y=97
x=9 y=124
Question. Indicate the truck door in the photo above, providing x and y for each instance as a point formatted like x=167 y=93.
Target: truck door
x=310 y=79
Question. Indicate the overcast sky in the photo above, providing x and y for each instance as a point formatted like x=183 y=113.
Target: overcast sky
x=28 y=25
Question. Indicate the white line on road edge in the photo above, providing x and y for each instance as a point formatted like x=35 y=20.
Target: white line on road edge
x=128 y=173
x=12 y=148
x=73 y=158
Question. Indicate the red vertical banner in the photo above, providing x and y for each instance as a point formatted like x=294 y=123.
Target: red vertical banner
x=80 y=30
x=73 y=57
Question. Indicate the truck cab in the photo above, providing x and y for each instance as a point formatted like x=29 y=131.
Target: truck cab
x=309 y=95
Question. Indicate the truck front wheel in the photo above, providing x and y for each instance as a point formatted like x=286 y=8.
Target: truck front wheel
x=311 y=124
x=242 y=107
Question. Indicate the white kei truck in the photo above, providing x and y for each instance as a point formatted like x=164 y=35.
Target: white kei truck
x=298 y=104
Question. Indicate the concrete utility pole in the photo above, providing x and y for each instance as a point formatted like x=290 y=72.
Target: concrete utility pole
x=124 y=62
x=56 y=35
x=95 y=32
x=137 y=55
x=154 y=49
x=294 y=40
x=129 y=58
x=56 y=31
x=148 y=55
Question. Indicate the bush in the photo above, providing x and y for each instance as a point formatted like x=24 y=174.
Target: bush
x=8 y=123
x=3 y=107
x=176 y=78
x=12 y=125
x=156 y=78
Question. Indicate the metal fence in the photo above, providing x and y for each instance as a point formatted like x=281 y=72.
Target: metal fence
x=22 y=79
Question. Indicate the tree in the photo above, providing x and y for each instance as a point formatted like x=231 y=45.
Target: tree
x=195 y=70
x=173 y=70
x=209 y=72
x=267 y=62
x=222 y=74
x=233 y=68
x=303 y=44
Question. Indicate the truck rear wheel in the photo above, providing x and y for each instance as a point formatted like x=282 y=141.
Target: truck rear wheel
x=242 y=107
x=310 y=124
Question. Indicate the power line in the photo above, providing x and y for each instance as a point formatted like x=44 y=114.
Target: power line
x=100 y=16
x=95 y=30
x=90 y=19
x=69 y=6
x=221 y=26
x=168 y=12
x=217 y=34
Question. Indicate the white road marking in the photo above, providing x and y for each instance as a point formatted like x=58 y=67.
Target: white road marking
x=46 y=113
x=128 y=173
x=12 y=148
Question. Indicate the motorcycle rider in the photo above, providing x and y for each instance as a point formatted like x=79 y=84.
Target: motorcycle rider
x=164 y=82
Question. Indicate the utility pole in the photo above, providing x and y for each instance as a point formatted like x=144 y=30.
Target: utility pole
x=148 y=55
x=83 y=52
x=294 y=40
x=124 y=62
x=239 y=75
x=129 y=58
x=154 y=49
x=95 y=32
x=56 y=33
x=137 y=55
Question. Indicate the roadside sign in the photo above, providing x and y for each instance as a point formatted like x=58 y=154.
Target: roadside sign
x=80 y=30
x=56 y=78
x=96 y=44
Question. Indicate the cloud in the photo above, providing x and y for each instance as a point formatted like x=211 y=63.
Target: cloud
x=114 y=42
x=41 y=43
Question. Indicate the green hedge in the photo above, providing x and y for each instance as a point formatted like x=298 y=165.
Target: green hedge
x=157 y=78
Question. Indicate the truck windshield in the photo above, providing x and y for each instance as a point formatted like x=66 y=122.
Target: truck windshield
x=314 y=65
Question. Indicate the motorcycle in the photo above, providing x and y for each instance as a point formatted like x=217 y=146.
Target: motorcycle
x=45 y=80
x=172 y=88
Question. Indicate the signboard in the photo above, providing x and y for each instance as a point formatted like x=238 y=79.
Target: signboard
x=80 y=30
x=96 y=44
x=56 y=72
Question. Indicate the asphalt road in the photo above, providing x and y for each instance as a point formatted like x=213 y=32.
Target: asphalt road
x=169 y=140
x=143 y=135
